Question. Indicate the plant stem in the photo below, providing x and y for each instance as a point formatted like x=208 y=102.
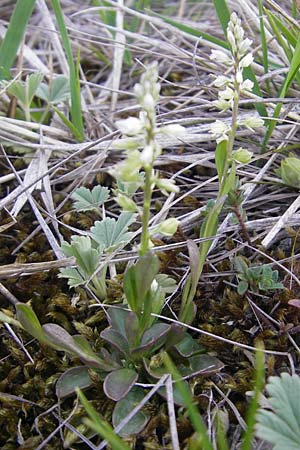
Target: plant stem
x=146 y=212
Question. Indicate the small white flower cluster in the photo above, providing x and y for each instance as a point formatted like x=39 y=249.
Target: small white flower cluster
x=232 y=86
x=141 y=132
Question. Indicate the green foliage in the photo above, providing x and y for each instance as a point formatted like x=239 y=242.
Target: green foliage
x=124 y=407
x=57 y=91
x=256 y=278
x=111 y=233
x=88 y=200
x=76 y=112
x=14 y=35
x=280 y=425
x=289 y=171
x=87 y=261
x=24 y=91
x=101 y=426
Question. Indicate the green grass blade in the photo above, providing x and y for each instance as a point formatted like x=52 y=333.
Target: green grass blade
x=263 y=38
x=68 y=123
x=294 y=67
x=191 y=408
x=278 y=34
x=223 y=13
x=251 y=413
x=74 y=80
x=14 y=35
x=100 y=426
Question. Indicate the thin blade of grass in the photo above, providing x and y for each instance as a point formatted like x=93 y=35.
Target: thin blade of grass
x=254 y=404
x=14 y=35
x=278 y=34
x=74 y=80
x=191 y=408
x=223 y=13
x=100 y=426
x=294 y=67
x=263 y=39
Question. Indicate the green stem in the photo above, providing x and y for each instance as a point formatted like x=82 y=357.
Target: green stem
x=231 y=137
x=146 y=212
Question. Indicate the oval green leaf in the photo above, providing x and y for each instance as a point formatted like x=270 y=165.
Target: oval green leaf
x=119 y=382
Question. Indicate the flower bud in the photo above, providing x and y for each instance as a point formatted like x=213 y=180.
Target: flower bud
x=126 y=203
x=147 y=155
x=173 y=130
x=252 y=122
x=290 y=171
x=221 y=57
x=126 y=144
x=221 y=81
x=130 y=127
x=242 y=156
x=246 y=61
x=148 y=102
x=168 y=227
x=166 y=185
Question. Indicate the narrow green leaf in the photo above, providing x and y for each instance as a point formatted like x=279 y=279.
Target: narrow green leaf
x=263 y=38
x=293 y=69
x=100 y=426
x=68 y=123
x=220 y=158
x=223 y=13
x=138 y=280
x=74 y=80
x=29 y=321
x=14 y=34
x=193 y=412
x=254 y=404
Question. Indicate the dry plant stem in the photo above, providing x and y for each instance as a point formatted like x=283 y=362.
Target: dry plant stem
x=241 y=223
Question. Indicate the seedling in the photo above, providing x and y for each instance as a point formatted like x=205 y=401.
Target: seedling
x=256 y=278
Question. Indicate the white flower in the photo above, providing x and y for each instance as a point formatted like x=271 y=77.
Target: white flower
x=239 y=77
x=127 y=144
x=226 y=94
x=147 y=155
x=173 y=130
x=252 y=122
x=247 y=85
x=166 y=186
x=231 y=39
x=130 y=127
x=221 y=81
x=221 y=57
x=219 y=130
x=244 y=46
x=148 y=102
x=223 y=105
x=246 y=61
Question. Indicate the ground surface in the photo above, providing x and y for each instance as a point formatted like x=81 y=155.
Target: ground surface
x=29 y=412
